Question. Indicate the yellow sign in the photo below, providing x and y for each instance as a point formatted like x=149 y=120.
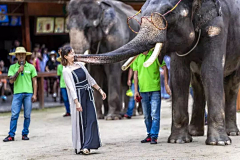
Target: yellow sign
x=45 y=25
x=59 y=25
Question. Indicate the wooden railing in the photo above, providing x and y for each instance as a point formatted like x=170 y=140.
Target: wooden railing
x=40 y=82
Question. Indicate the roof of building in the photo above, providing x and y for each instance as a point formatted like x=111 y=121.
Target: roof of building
x=61 y=1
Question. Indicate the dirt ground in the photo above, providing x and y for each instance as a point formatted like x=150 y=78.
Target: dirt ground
x=50 y=139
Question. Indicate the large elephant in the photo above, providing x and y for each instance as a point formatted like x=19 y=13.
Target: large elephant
x=202 y=35
x=100 y=26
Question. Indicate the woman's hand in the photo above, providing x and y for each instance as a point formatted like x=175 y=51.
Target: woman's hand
x=103 y=94
x=79 y=107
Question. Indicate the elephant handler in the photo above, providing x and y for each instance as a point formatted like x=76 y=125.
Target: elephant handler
x=23 y=75
x=148 y=80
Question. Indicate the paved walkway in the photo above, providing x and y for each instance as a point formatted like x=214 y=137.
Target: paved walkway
x=50 y=139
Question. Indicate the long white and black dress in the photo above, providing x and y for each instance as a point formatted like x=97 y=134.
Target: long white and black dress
x=85 y=131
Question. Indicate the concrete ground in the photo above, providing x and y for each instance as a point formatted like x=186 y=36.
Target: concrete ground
x=50 y=139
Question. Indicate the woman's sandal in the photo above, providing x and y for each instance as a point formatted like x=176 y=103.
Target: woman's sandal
x=86 y=151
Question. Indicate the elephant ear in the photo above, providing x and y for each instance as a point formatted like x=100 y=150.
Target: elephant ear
x=109 y=17
x=196 y=4
x=203 y=13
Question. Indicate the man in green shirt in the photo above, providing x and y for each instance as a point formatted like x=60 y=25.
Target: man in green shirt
x=23 y=75
x=63 y=88
x=148 y=80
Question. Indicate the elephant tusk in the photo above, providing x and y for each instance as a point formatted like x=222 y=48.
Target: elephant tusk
x=154 y=56
x=85 y=53
x=128 y=63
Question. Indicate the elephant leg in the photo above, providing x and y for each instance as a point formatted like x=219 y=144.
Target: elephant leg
x=97 y=73
x=196 y=127
x=231 y=86
x=212 y=78
x=113 y=72
x=180 y=81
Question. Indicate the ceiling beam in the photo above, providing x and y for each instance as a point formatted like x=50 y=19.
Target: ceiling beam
x=63 y=1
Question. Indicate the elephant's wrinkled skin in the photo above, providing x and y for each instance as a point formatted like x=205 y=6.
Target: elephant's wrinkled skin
x=215 y=63
x=102 y=23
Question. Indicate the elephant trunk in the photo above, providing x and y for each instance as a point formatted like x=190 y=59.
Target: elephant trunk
x=146 y=39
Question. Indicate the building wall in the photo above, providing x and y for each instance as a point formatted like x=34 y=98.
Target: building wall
x=46 y=9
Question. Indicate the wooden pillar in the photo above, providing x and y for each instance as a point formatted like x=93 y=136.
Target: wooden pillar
x=27 y=28
x=238 y=101
x=40 y=81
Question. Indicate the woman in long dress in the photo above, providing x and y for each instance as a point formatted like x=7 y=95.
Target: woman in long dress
x=79 y=83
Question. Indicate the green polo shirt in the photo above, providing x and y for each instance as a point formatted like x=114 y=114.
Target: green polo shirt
x=23 y=83
x=131 y=66
x=148 y=78
x=59 y=72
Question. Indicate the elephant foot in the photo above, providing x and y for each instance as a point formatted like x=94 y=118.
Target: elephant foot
x=217 y=138
x=114 y=117
x=100 y=116
x=232 y=131
x=180 y=136
x=195 y=131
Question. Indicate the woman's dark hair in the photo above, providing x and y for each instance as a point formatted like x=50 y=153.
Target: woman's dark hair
x=65 y=50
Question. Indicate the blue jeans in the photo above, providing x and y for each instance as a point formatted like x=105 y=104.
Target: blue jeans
x=151 y=104
x=17 y=102
x=65 y=99
x=131 y=103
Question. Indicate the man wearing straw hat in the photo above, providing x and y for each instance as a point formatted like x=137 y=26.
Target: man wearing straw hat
x=23 y=75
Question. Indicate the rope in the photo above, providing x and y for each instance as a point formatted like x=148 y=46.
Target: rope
x=98 y=47
x=183 y=55
x=151 y=20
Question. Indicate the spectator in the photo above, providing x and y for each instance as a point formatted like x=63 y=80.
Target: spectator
x=148 y=80
x=63 y=88
x=34 y=58
x=52 y=66
x=23 y=75
x=3 y=82
x=15 y=44
x=131 y=103
x=43 y=57
x=164 y=94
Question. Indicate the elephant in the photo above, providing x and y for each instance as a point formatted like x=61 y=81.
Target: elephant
x=202 y=37
x=100 y=26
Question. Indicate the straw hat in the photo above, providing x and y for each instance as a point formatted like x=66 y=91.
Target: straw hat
x=59 y=59
x=20 y=50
